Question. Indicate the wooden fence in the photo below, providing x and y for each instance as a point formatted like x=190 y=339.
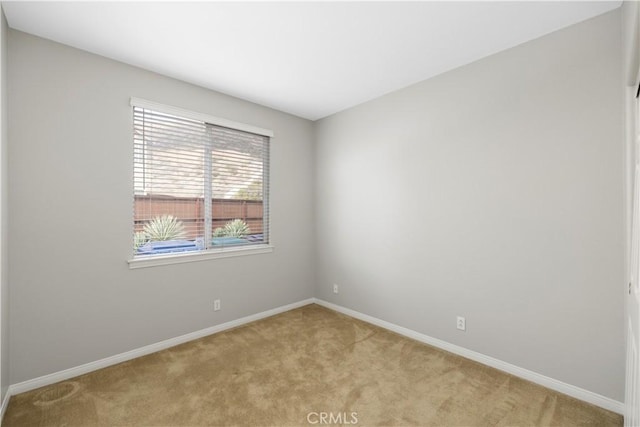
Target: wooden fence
x=191 y=212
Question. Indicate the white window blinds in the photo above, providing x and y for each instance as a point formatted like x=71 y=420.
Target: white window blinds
x=197 y=185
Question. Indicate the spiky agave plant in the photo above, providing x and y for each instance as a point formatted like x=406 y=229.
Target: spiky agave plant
x=236 y=228
x=165 y=227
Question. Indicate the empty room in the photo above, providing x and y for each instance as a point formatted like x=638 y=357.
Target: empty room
x=320 y=213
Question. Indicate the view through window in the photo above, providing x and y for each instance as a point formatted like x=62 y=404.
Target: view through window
x=197 y=186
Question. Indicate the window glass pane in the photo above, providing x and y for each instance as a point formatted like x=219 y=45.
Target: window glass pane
x=238 y=160
x=169 y=155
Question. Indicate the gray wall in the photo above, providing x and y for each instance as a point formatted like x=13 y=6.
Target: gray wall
x=631 y=58
x=493 y=192
x=4 y=217
x=73 y=298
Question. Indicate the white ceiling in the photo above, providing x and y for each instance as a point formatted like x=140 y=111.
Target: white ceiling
x=310 y=59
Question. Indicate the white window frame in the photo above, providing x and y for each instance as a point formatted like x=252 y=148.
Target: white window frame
x=213 y=253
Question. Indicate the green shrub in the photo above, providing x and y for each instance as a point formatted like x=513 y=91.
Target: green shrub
x=165 y=227
x=235 y=228
x=252 y=192
x=139 y=239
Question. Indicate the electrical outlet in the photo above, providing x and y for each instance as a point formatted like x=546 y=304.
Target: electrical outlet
x=216 y=305
x=461 y=323
x=335 y=288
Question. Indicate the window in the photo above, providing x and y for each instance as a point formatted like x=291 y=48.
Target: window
x=200 y=183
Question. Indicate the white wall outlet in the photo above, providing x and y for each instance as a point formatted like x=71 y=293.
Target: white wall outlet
x=216 y=305
x=461 y=323
x=335 y=288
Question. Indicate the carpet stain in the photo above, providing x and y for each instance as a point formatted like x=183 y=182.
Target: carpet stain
x=56 y=393
x=298 y=368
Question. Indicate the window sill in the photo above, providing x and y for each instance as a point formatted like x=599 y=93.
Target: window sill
x=179 y=258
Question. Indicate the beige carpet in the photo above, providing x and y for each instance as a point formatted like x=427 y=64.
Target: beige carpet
x=301 y=367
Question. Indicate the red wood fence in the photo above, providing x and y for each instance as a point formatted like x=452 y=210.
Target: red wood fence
x=190 y=212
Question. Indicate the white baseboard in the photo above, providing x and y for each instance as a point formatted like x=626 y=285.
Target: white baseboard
x=553 y=384
x=568 y=389
x=5 y=403
x=142 y=351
